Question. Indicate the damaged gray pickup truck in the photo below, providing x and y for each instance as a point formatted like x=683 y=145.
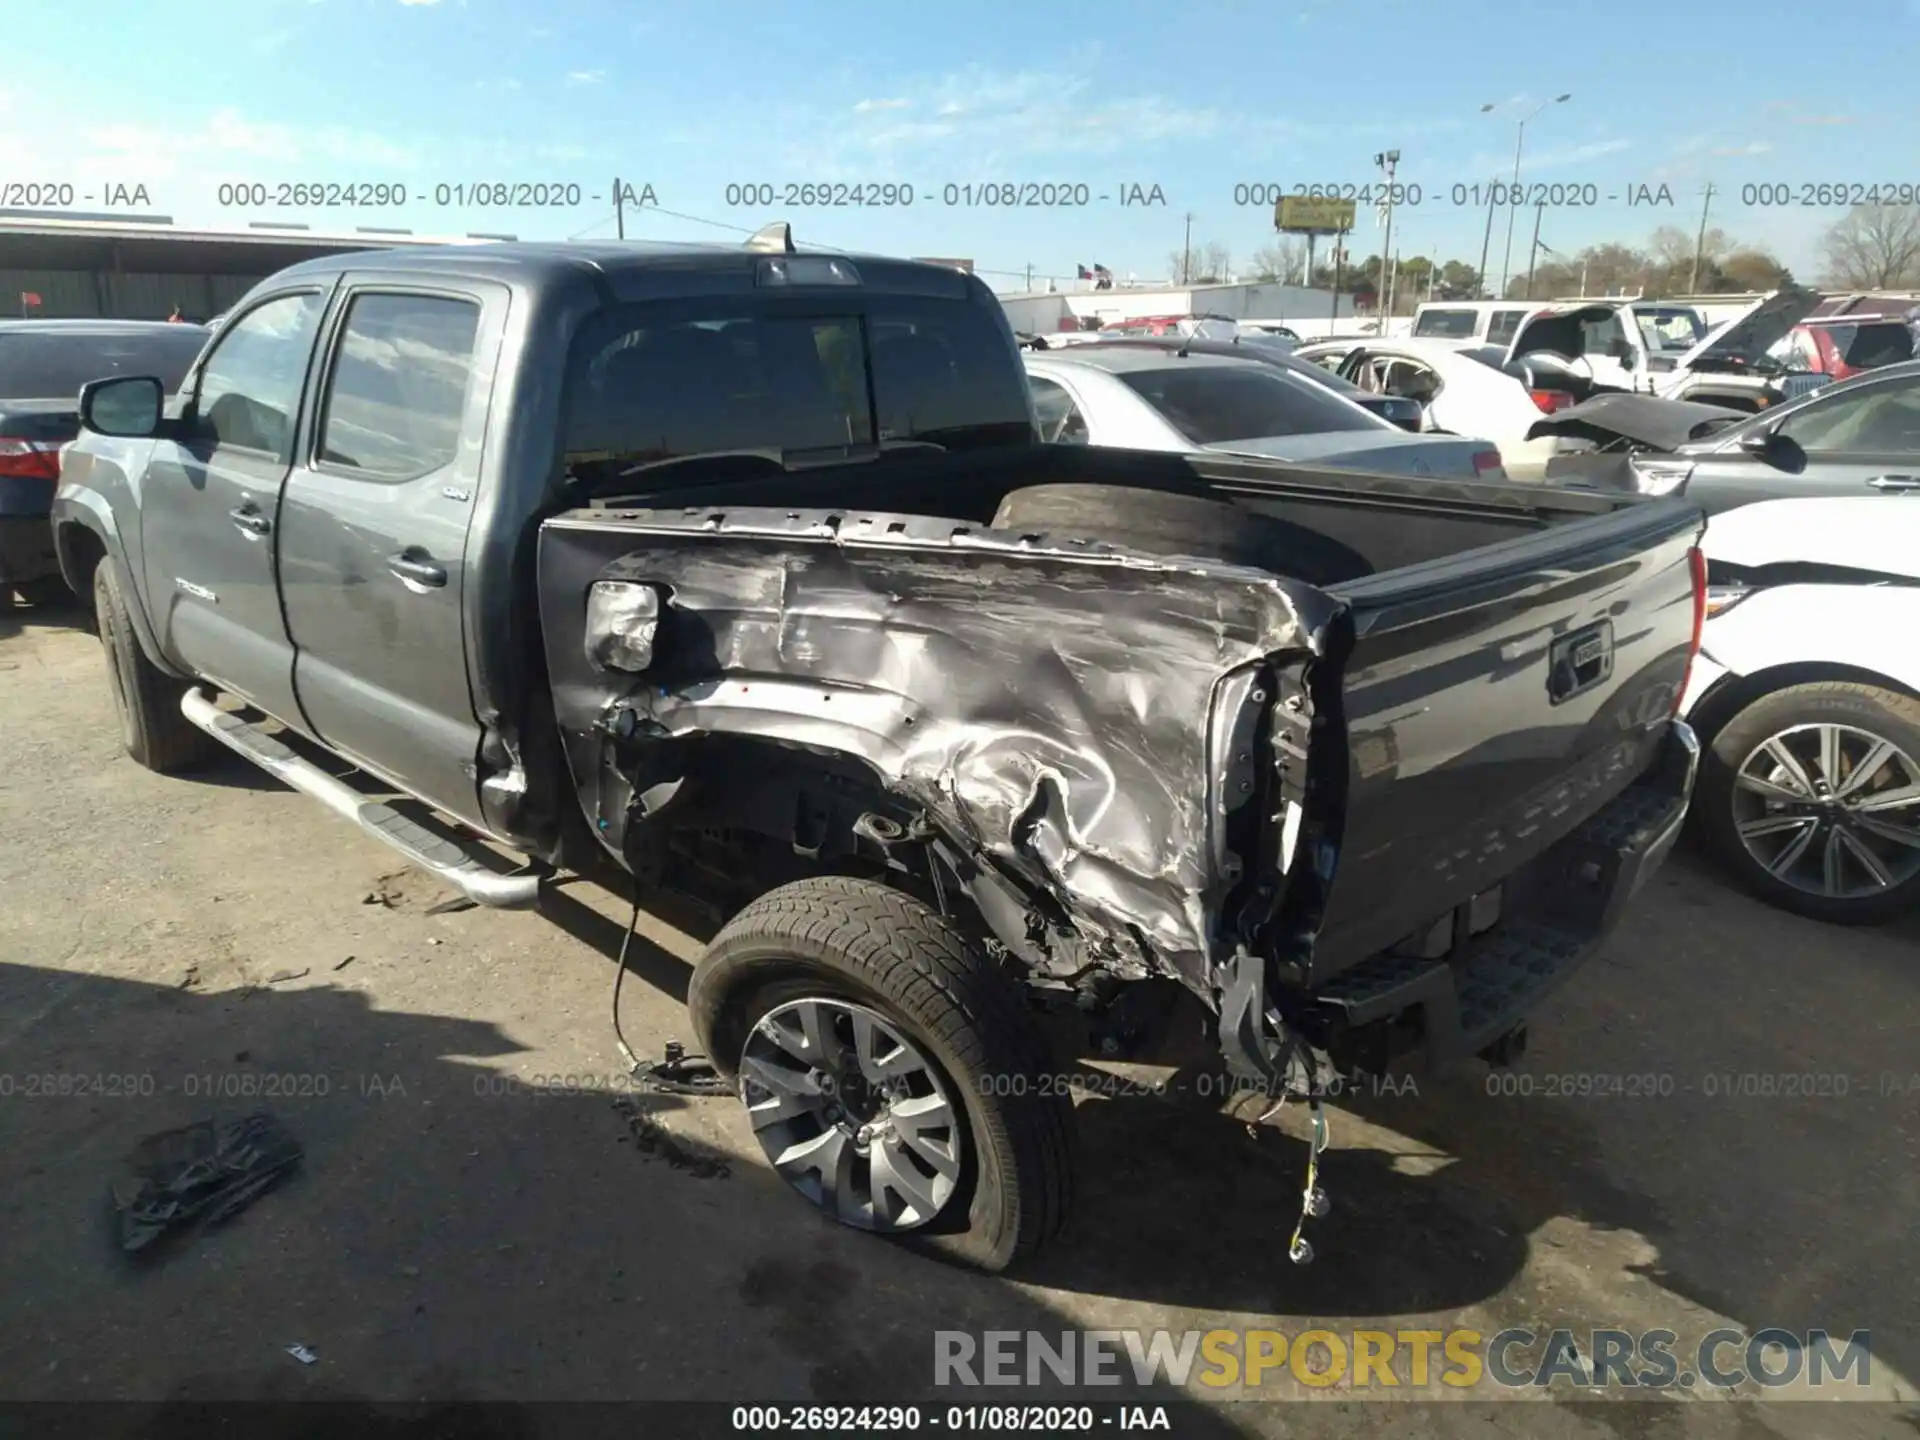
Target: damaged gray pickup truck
x=738 y=572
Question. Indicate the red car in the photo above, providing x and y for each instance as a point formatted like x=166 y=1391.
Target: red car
x=1843 y=347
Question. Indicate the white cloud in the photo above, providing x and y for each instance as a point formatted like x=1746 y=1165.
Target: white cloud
x=1752 y=147
x=419 y=2
x=585 y=77
x=1549 y=158
x=978 y=119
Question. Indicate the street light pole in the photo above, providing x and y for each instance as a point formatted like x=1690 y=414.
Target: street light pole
x=1486 y=241
x=1387 y=161
x=1533 y=255
x=1519 y=141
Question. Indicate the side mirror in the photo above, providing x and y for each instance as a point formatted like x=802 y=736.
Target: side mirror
x=1771 y=447
x=127 y=406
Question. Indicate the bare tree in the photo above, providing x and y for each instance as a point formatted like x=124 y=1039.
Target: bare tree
x=1206 y=265
x=1874 y=247
x=1212 y=262
x=1284 y=261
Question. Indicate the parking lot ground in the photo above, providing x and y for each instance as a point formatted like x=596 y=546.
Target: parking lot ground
x=463 y=1228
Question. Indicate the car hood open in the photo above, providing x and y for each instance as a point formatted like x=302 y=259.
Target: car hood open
x=1751 y=334
x=1648 y=420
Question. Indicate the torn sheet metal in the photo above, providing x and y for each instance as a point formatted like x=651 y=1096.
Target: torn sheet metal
x=1055 y=700
x=1649 y=420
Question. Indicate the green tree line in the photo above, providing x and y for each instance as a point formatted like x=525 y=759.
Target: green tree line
x=1871 y=247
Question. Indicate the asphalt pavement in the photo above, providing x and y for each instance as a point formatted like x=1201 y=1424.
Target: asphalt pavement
x=484 y=1213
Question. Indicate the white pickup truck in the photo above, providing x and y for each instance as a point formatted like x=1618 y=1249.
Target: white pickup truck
x=1659 y=348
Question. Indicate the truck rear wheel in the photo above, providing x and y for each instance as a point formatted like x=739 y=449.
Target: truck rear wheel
x=1166 y=523
x=893 y=1076
x=147 y=702
x=1811 y=797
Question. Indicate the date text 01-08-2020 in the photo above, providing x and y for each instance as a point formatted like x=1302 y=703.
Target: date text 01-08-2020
x=463 y=194
x=971 y=194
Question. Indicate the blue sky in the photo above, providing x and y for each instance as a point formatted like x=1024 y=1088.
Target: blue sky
x=1195 y=97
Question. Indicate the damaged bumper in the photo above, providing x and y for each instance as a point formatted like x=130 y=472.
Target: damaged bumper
x=1396 y=1009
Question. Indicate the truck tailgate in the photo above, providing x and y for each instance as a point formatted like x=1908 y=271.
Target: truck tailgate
x=1491 y=703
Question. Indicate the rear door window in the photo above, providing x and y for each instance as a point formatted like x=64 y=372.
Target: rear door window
x=399 y=385
x=1881 y=344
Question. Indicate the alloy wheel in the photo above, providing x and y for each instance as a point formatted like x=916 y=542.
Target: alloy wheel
x=852 y=1114
x=1832 y=810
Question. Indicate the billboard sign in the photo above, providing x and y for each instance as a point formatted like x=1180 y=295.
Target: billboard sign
x=1313 y=215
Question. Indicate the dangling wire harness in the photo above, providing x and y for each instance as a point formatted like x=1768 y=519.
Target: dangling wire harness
x=1314 y=1203
x=676 y=1073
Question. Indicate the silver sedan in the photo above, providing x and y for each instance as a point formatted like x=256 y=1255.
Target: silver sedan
x=1162 y=400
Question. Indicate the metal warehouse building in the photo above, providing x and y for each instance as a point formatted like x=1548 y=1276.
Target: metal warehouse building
x=1256 y=300
x=84 y=267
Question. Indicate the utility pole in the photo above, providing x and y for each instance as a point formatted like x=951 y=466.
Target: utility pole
x=1029 y=289
x=1533 y=255
x=1186 y=253
x=1387 y=161
x=1339 y=270
x=1486 y=243
x=1519 y=140
x=619 y=211
x=1700 y=243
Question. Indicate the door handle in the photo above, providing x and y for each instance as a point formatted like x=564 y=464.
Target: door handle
x=1895 y=484
x=410 y=566
x=251 y=520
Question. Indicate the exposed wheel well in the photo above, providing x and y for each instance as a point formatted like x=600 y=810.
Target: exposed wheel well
x=1734 y=693
x=80 y=551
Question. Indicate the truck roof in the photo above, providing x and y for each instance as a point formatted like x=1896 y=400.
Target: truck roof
x=540 y=264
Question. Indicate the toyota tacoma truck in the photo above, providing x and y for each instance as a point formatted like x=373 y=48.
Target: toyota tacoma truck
x=740 y=572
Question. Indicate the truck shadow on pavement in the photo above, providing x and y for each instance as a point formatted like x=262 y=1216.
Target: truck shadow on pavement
x=458 y=1230
x=66 y=613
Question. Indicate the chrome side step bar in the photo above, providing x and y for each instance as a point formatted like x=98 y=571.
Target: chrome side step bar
x=430 y=852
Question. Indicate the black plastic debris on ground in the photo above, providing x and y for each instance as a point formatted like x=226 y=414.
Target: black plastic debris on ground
x=653 y=1141
x=201 y=1174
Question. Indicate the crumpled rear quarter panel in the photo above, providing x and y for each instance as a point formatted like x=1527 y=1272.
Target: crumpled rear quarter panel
x=1052 y=700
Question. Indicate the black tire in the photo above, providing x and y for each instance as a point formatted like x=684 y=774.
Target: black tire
x=1166 y=523
x=156 y=734
x=857 y=940
x=1885 y=714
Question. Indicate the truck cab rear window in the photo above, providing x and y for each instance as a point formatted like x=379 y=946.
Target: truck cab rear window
x=1447 y=324
x=652 y=383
